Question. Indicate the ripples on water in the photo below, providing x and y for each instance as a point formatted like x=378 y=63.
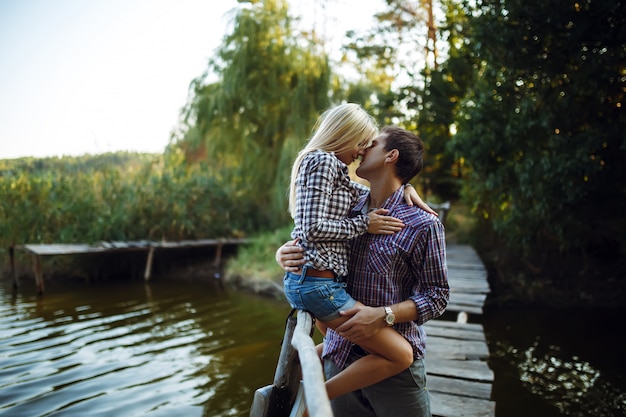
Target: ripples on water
x=189 y=349
x=128 y=349
x=557 y=363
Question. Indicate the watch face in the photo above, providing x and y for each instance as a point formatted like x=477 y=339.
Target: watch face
x=390 y=318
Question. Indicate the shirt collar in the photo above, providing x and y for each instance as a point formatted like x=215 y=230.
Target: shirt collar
x=392 y=201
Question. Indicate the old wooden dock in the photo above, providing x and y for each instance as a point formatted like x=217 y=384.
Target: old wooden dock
x=459 y=378
x=148 y=247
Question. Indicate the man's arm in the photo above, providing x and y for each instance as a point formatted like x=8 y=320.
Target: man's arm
x=432 y=293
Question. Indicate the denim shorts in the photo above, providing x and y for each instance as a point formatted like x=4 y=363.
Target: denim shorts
x=322 y=297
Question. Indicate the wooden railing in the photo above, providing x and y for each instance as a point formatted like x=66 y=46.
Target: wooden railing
x=298 y=374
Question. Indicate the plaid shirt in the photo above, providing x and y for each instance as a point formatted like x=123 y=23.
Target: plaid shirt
x=389 y=269
x=325 y=196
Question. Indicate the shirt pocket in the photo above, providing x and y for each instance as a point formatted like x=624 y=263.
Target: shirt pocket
x=382 y=256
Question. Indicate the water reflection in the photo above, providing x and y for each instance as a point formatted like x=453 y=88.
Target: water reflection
x=556 y=364
x=188 y=348
x=572 y=385
x=126 y=349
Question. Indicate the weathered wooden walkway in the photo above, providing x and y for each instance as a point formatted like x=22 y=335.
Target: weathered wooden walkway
x=149 y=247
x=459 y=377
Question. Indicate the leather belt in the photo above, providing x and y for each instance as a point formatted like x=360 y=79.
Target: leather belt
x=320 y=274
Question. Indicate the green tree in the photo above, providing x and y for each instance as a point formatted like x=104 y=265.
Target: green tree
x=248 y=125
x=542 y=132
x=410 y=87
x=444 y=90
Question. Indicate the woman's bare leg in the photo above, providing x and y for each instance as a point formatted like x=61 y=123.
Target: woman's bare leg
x=390 y=354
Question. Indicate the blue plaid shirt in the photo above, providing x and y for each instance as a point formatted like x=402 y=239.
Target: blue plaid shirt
x=325 y=196
x=389 y=269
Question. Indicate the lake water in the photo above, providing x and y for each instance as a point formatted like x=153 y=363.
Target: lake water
x=188 y=348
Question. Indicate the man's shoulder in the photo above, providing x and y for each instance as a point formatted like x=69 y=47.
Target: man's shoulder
x=415 y=217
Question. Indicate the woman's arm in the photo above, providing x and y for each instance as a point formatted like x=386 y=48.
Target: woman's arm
x=412 y=197
x=323 y=215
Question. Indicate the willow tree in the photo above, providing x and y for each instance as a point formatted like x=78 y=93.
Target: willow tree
x=270 y=83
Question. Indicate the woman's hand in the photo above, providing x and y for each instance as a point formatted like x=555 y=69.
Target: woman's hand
x=383 y=225
x=413 y=198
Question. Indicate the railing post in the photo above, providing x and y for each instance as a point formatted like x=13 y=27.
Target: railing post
x=148 y=271
x=13 y=269
x=38 y=274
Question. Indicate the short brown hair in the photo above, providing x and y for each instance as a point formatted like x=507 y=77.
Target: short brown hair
x=410 y=149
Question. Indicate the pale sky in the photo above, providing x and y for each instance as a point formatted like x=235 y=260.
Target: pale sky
x=95 y=76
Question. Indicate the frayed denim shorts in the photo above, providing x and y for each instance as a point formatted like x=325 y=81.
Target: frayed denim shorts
x=322 y=297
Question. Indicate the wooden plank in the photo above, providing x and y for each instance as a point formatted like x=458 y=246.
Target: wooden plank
x=460 y=387
x=470 y=370
x=453 y=332
x=476 y=268
x=473 y=299
x=469 y=276
x=475 y=327
x=477 y=299
x=458 y=308
x=113 y=246
x=469 y=286
x=60 y=249
x=446 y=348
x=470 y=307
x=445 y=405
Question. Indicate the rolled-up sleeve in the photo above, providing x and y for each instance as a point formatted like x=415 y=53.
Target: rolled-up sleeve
x=432 y=291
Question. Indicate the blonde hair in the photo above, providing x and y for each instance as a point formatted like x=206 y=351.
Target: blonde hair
x=337 y=130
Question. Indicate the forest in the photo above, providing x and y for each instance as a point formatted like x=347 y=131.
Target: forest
x=519 y=104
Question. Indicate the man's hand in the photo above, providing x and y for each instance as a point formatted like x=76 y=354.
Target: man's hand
x=290 y=256
x=365 y=322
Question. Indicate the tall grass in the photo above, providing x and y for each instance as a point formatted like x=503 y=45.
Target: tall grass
x=143 y=199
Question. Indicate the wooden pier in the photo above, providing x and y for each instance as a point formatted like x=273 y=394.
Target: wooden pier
x=149 y=247
x=459 y=378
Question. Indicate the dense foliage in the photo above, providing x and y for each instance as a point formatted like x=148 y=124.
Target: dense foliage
x=138 y=200
x=541 y=135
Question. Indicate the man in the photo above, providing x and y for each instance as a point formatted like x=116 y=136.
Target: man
x=401 y=279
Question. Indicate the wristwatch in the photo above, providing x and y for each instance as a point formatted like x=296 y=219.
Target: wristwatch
x=390 y=318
